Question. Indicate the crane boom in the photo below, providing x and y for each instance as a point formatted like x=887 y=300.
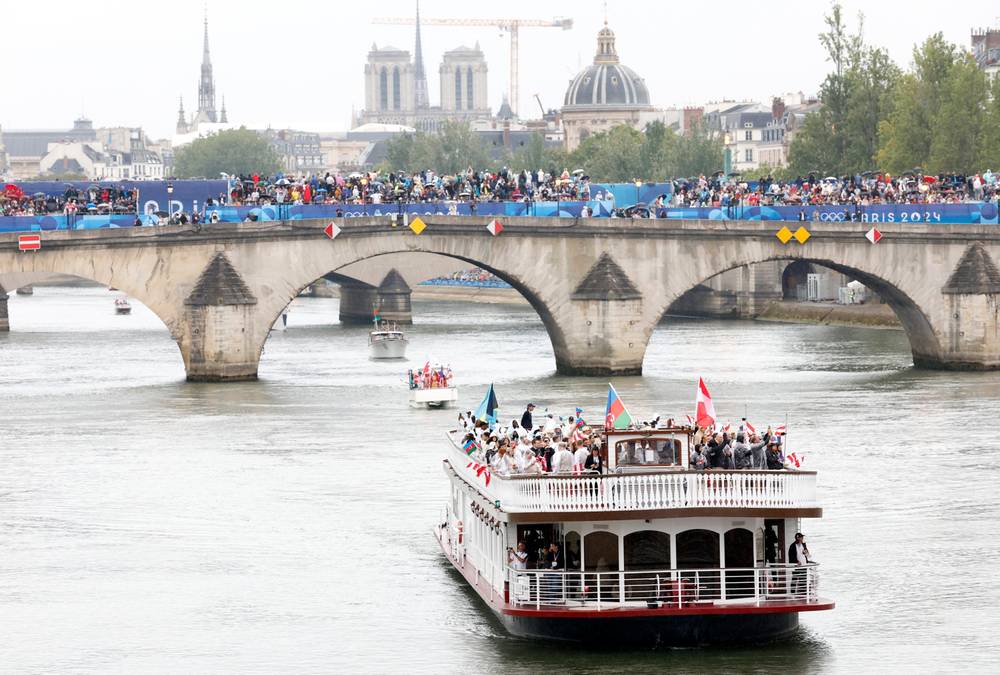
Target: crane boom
x=510 y=25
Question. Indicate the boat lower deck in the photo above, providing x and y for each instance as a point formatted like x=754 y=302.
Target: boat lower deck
x=679 y=620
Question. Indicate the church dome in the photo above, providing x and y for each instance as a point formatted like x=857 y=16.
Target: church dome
x=607 y=82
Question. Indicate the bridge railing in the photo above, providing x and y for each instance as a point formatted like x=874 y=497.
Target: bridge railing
x=670 y=489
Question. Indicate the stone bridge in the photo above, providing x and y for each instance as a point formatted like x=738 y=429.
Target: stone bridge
x=599 y=286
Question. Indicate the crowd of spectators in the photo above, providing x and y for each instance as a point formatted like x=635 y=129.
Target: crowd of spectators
x=867 y=189
x=571 y=446
x=93 y=200
x=423 y=186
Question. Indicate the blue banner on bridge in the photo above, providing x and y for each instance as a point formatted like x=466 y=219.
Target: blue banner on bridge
x=187 y=195
x=971 y=212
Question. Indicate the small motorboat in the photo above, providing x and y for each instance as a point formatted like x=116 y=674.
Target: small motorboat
x=122 y=306
x=432 y=387
x=387 y=342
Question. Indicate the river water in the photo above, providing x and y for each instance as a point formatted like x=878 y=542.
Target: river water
x=151 y=525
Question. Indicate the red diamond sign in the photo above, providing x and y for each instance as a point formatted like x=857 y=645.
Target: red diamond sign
x=873 y=235
x=495 y=227
x=332 y=230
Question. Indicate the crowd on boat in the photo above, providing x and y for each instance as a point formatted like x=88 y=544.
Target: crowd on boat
x=92 y=200
x=866 y=189
x=568 y=445
x=412 y=187
x=438 y=377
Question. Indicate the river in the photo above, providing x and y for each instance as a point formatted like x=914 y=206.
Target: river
x=151 y=525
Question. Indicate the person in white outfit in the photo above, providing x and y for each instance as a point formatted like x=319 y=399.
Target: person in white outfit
x=562 y=461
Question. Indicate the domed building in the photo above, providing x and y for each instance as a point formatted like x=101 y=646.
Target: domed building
x=603 y=95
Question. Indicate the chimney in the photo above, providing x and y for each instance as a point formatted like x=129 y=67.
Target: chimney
x=777 y=108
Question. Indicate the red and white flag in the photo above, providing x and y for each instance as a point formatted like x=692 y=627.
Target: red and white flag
x=794 y=460
x=690 y=420
x=704 y=410
x=780 y=430
x=750 y=427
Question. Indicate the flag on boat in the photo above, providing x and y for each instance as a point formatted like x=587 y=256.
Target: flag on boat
x=704 y=409
x=487 y=410
x=427 y=369
x=780 y=430
x=375 y=314
x=690 y=420
x=749 y=427
x=579 y=411
x=794 y=461
x=616 y=416
x=469 y=446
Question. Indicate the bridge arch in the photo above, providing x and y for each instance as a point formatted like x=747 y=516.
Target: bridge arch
x=917 y=324
x=271 y=310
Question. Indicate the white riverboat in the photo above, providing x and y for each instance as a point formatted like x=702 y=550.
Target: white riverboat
x=122 y=306
x=651 y=553
x=387 y=341
x=432 y=388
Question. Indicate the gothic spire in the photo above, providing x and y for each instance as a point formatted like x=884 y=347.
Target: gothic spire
x=421 y=98
x=206 y=85
x=222 y=114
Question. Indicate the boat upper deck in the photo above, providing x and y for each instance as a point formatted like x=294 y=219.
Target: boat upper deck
x=638 y=491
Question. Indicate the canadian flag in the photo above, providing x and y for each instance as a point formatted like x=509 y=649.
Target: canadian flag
x=704 y=410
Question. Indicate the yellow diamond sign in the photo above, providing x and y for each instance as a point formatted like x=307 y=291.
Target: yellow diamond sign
x=417 y=225
x=801 y=235
x=784 y=235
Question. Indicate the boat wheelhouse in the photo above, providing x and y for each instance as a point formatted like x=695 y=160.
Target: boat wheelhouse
x=649 y=553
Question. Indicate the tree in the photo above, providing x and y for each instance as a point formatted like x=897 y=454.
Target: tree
x=697 y=152
x=235 y=151
x=453 y=148
x=958 y=127
x=989 y=146
x=611 y=156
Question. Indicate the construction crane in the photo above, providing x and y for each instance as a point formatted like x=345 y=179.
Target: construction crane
x=511 y=26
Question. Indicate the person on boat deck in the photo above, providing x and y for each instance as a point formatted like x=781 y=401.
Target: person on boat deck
x=742 y=456
x=594 y=462
x=526 y=421
x=580 y=455
x=770 y=546
x=758 y=452
x=501 y=462
x=775 y=460
x=550 y=424
x=798 y=555
x=562 y=461
x=698 y=460
x=554 y=559
x=518 y=559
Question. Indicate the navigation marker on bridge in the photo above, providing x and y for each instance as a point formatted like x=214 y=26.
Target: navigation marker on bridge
x=332 y=230
x=29 y=242
x=417 y=225
x=784 y=235
x=495 y=227
x=802 y=235
x=873 y=235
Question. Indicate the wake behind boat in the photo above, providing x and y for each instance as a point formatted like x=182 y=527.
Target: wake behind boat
x=635 y=534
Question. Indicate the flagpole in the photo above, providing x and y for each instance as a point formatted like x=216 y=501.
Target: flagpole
x=786 y=434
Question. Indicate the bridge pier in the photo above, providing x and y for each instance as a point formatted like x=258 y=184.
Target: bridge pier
x=392 y=297
x=604 y=333
x=220 y=341
x=4 y=317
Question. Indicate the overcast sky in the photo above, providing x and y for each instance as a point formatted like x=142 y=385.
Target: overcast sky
x=300 y=65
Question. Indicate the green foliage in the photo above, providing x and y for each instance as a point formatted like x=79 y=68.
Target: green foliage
x=989 y=149
x=454 y=148
x=233 y=151
x=843 y=137
x=623 y=154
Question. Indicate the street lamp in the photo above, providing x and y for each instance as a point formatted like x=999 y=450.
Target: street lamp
x=638 y=184
x=170 y=192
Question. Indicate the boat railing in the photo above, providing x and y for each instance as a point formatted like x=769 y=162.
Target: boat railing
x=669 y=489
x=664 y=588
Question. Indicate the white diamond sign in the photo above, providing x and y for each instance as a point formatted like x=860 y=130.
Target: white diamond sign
x=873 y=235
x=495 y=227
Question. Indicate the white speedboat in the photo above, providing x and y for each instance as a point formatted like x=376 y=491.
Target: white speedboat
x=122 y=306
x=387 y=342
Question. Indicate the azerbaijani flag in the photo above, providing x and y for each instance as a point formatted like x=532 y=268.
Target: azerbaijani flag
x=469 y=446
x=487 y=410
x=616 y=415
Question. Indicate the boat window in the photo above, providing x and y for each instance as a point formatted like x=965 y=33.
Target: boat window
x=600 y=552
x=647 y=550
x=649 y=452
x=739 y=554
x=699 y=550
